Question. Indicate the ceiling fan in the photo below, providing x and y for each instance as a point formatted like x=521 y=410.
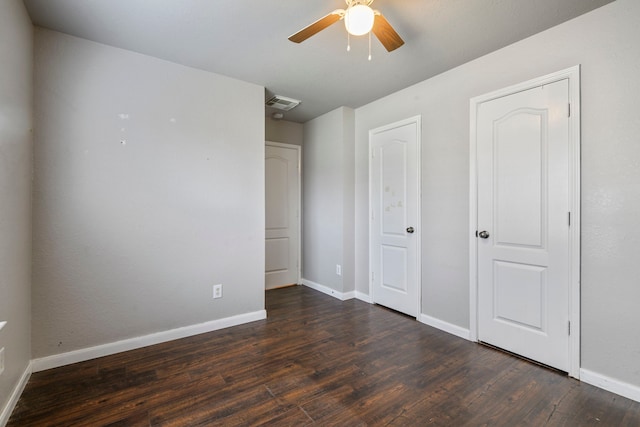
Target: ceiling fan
x=359 y=19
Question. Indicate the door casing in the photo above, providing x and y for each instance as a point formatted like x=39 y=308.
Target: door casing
x=418 y=233
x=573 y=75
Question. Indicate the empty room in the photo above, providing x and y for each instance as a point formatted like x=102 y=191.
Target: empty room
x=321 y=212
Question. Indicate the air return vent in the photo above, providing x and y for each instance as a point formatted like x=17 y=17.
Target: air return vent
x=282 y=103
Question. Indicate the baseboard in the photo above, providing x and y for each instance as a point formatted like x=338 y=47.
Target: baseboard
x=364 y=297
x=445 y=326
x=89 y=353
x=342 y=296
x=15 y=395
x=348 y=295
x=613 y=385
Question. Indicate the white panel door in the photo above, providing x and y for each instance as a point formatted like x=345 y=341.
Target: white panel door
x=394 y=187
x=523 y=223
x=282 y=232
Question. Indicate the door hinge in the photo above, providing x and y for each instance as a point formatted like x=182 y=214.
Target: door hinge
x=569 y=327
x=373 y=276
x=569 y=110
x=569 y=216
x=476 y=234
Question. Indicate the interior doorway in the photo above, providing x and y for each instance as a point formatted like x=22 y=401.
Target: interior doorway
x=282 y=214
x=525 y=220
x=394 y=224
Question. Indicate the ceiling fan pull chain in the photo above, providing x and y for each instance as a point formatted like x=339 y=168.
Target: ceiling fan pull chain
x=369 y=45
x=348 y=42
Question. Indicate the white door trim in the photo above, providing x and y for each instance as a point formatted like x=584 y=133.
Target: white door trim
x=298 y=150
x=573 y=75
x=418 y=121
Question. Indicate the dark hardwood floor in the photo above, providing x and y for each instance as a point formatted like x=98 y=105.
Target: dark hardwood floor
x=316 y=361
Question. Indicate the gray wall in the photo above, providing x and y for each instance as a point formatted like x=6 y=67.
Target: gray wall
x=16 y=112
x=348 y=151
x=605 y=42
x=283 y=131
x=130 y=238
x=328 y=201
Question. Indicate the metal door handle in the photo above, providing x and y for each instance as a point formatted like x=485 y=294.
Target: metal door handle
x=483 y=234
x=410 y=230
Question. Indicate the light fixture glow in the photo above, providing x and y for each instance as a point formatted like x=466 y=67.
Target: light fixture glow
x=358 y=19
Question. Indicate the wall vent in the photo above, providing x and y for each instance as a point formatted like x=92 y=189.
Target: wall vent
x=282 y=103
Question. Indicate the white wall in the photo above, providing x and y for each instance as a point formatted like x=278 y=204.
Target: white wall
x=16 y=121
x=130 y=238
x=605 y=42
x=328 y=202
x=283 y=131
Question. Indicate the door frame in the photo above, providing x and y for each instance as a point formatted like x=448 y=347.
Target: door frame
x=299 y=201
x=418 y=121
x=573 y=75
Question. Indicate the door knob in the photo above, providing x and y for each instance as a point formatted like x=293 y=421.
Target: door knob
x=410 y=230
x=483 y=234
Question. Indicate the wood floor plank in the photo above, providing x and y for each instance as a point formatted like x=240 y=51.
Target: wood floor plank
x=316 y=361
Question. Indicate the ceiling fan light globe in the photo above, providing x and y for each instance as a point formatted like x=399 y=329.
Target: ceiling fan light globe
x=358 y=20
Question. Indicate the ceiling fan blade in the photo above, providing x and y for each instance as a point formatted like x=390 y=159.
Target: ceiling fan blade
x=317 y=26
x=385 y=33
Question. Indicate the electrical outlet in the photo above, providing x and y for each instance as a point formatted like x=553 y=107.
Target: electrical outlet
x=1 y=360
x=217 y=291
x=338 y=269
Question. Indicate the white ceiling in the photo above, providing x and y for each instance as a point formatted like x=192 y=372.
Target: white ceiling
x=247 y=39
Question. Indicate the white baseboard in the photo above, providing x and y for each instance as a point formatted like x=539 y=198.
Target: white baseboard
x=348 y=295
x=15 y=395
x=342 y=296
x=613 y=385
x=364 y=297
x=81 y=355
x=445 y=326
